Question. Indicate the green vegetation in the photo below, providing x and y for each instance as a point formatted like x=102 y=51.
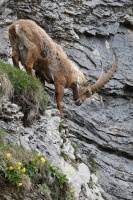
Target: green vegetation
x=44 y=190
x=76 y=150
x=93 y=165
x=61 y=125
x=26 y=170
x=64 y=155
x=91 y=184
x=23 y=85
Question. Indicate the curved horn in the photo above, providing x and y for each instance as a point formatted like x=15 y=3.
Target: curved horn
x=104 y=79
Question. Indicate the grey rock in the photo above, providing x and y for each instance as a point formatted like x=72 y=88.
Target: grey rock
x=129 y=20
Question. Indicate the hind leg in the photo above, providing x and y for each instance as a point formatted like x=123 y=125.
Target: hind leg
x=15 y=58
x=14 y=45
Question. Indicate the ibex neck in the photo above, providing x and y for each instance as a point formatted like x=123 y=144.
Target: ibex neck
x=77 y=76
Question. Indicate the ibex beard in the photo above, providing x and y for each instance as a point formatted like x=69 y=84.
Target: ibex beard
x=34 y=48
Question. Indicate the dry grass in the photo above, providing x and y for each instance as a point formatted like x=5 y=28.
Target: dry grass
x=6 y=88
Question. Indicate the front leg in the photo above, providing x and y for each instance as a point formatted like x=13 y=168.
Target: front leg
x=30 y=60
x=59 y=93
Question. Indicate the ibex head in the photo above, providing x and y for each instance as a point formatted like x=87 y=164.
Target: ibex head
x=86 y=90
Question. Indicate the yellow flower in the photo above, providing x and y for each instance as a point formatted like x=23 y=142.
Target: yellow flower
x=11 y=168
x=20 y=184
x=24 y=170
x=71 y=189
x=8 y=155
x=19 y=164
x=70 y=171
x=39 y=154
x=43 y=160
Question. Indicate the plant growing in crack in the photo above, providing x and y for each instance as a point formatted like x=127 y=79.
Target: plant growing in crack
x=64 y=155
x=44 y=189
x=61 y=125
x=91 y=184
x=76 y=150
x=93 y=167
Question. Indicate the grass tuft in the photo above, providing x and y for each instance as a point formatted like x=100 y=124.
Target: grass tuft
x=24 y=85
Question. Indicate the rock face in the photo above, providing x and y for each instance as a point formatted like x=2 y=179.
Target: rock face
x=44 y=137
x=87 y=31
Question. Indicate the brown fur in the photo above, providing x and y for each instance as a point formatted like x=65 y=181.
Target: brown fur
x=35 y=49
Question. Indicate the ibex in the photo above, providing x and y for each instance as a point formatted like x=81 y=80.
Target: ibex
x=33 y=47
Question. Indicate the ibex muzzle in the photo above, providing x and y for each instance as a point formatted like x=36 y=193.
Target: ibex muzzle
x=33 y=47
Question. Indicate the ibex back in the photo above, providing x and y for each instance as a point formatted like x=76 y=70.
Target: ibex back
x=33 y=47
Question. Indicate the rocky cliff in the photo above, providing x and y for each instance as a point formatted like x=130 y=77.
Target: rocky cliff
x=88 y=30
